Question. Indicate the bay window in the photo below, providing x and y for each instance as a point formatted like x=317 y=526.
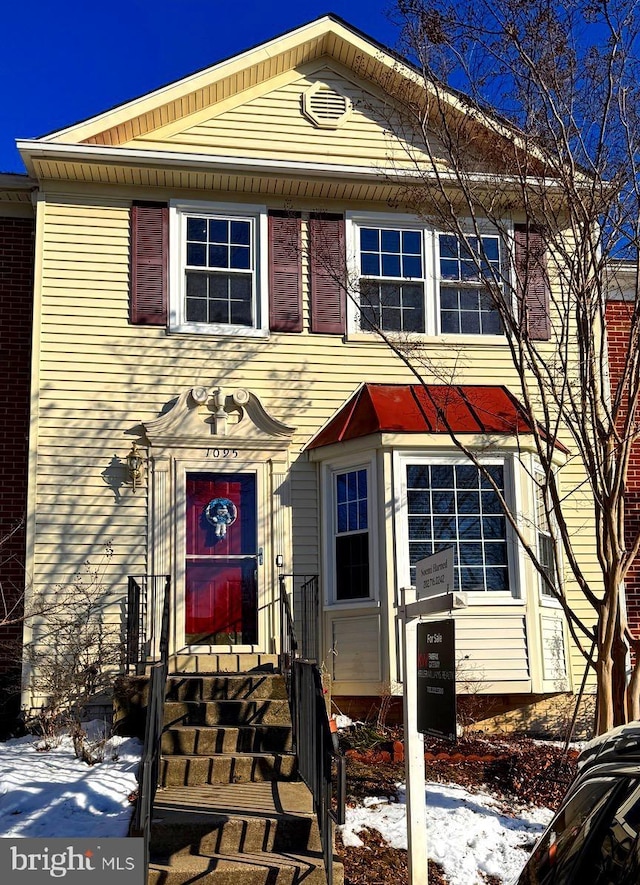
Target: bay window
x=544 y=539
x=456 y=506
x=351 y=534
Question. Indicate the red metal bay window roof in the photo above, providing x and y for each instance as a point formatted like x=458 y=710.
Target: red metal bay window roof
x=431 y=408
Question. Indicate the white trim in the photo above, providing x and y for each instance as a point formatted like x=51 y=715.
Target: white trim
x=182 y=467
x=354 y=220
x=257 y=215
x=32 y=149
x=328 y=510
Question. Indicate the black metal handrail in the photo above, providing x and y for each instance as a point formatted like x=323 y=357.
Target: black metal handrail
x=302 y=610
x=146 y=596
x=320 y=762
x=288 y=639
x=148 y=773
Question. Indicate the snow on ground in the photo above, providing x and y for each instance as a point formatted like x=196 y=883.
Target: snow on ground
x=467 y=833
x=51 y=793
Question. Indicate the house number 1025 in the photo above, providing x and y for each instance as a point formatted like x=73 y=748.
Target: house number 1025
x=222 y=453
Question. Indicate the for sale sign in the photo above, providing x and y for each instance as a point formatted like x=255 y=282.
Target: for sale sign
x=434 y=574
x=437 y=679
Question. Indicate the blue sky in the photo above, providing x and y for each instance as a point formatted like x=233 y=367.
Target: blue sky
x=62 y=62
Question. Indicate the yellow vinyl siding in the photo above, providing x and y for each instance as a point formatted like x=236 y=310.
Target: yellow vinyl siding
x=273 y=124
x=100 y=378
x=492 y=649
x=354 y=656
x=553 y=651
x=314 y=41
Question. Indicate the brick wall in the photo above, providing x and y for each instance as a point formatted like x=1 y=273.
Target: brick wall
x=16 y=310
x=617 y=315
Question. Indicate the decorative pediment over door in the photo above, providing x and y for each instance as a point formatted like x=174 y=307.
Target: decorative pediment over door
x=212 y=416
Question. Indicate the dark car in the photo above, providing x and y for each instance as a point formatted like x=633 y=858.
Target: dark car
x=594 y=839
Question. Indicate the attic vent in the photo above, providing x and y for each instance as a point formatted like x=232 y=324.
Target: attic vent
x=325 y=106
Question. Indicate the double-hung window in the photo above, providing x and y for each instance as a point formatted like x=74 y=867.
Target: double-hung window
x=216 y=280
x=543 y=537
x=219 y=270
x=351 y=534
x=467 y=268
x=392 y=275
x=456 y=506
x=412 y=279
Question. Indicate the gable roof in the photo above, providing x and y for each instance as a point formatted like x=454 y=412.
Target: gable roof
x=120 y=146
x=431 y=408
x=327 y=36
x=258 y=53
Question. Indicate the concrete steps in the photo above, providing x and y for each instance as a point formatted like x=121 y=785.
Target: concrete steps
x=230 y=809
x=259 y=868
x=192 y=687
x=227 y=768
x=238 y=664
x=233 y=818
x=207 y=740
x=242 y=712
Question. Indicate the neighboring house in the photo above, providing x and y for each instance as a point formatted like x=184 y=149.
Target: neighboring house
x=190 y=246
x=621 y=303
x=17 y=228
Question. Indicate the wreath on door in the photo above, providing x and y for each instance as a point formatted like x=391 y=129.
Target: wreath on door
x=221 y=513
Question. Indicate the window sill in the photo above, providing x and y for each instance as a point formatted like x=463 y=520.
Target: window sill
x=491 y=599
x=344 y=604
x=216 y=331
x=549 y=602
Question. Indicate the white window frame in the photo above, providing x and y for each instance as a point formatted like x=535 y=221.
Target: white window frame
x=540 y=528
x=330 y=528
x=431 y=270
x=179 y=211
x=408 y=458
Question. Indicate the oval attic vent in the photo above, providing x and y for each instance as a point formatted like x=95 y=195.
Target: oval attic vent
x=325 y=106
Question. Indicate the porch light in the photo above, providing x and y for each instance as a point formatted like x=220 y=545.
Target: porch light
x=135 y=466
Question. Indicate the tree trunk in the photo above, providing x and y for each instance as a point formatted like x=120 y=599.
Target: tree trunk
x=604 y=673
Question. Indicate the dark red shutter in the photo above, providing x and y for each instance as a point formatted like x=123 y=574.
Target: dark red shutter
x=285 y=273
x=328 y=274
x=532 y=280
x=149 y=264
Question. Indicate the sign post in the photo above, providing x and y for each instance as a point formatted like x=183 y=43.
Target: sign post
x=427 y=598
x=413 y=753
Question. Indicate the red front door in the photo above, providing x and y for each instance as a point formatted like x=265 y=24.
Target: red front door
x=221 y=590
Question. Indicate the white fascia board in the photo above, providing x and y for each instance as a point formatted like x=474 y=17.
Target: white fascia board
x=31 y=149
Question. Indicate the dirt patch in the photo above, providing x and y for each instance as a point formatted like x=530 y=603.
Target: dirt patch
x=515 y=770
x=374 y=863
